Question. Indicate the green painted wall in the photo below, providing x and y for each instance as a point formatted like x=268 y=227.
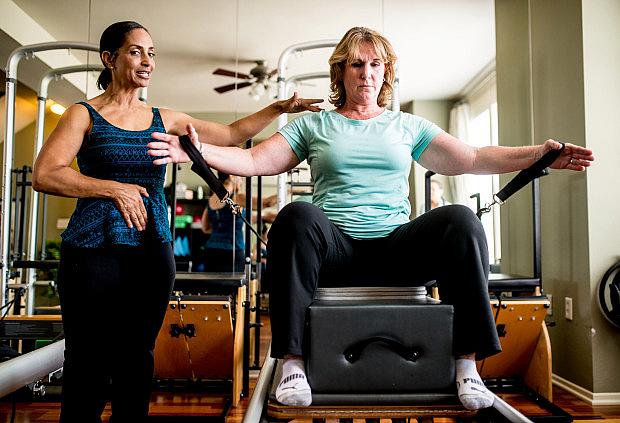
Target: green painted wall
x=557 y=77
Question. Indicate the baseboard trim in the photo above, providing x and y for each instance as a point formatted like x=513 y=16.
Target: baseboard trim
x=603 y=398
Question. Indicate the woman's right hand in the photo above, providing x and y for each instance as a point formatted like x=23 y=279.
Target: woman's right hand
x=168 y=147
x=128 y=200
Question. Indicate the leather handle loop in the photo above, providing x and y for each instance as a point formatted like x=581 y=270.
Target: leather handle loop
x=353 y=352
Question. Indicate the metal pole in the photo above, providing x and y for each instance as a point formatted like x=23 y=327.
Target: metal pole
x=9 y=135
x=22 y=370
x=248 y=278
x=44 y=229
x=395 y=92
x=536 y=242
x=173 y=200
x=259 y=275
x=282 y=119
x=427 y=190
x=257 y=402
x=23 y=185
x=508 y=411
x=46 y=79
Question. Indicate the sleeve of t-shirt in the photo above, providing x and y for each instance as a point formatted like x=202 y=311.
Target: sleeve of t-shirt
x=423 y=132
x=297 y=134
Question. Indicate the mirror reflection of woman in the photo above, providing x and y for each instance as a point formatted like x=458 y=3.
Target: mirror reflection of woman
x=225 y=248
x=117 y=266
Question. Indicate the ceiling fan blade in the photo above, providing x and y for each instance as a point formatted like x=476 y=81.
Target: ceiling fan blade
x=225 y=88
x=234 y=74
x=272 y=73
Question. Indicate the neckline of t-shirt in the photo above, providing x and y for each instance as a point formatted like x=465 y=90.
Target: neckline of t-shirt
x=123 y=129
x=359 y=121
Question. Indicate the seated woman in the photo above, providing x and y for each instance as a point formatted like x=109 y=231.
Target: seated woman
x=358 y=232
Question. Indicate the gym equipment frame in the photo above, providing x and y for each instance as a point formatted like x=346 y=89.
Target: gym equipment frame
x=11 y=81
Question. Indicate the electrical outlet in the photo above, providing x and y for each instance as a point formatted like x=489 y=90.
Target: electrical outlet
x=568 y=308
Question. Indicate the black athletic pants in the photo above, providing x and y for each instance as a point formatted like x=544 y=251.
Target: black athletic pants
x=113 y=303
x=447 y=244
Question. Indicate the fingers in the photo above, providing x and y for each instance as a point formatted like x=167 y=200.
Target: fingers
x=157 y=149
x=143 y=191
x=193 y=135
x=163 y=161
x=127 y=218
x=141 y=216
x=162 y=136
x=581 y=152
x=130 y=204
x=313 y=100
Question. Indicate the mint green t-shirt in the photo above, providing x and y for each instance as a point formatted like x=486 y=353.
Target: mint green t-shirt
x=361 y=168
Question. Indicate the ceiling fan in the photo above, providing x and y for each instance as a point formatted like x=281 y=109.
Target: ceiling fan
x=259 y=79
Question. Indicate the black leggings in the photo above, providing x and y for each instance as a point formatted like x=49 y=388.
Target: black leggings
x=113 y=303
x=447 y=244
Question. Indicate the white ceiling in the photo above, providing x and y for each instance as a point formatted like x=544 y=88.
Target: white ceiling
x=441 y=45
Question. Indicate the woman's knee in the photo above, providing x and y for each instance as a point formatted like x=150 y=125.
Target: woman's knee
x=295 y=217
x=464 y=222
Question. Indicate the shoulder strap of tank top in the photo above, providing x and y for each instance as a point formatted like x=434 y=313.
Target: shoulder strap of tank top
x=157 y=120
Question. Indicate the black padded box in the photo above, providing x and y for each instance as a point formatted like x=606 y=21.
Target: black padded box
x=379 y=347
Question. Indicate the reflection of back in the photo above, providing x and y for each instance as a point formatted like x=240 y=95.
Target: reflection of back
x=225 y=248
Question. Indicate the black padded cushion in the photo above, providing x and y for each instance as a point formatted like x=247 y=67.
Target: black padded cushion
x=334 y=326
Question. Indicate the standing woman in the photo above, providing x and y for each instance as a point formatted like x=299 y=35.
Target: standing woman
x=117 y=266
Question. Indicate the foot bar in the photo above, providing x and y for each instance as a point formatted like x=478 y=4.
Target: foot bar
x=20 y=371
x=508 y=411
x=259 y=396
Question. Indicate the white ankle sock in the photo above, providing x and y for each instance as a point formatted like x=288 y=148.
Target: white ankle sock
x=472 y=392
x=293 y=388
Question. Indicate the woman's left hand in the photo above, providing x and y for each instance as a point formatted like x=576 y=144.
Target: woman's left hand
x=296 y=104
x=573 y=157
x=169 y=148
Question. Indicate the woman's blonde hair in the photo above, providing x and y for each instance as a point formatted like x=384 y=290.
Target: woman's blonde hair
x=347 y=51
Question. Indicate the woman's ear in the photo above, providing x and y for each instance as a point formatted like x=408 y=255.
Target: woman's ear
x=108 y=59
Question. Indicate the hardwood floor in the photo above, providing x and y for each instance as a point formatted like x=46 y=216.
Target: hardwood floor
x=203 y=405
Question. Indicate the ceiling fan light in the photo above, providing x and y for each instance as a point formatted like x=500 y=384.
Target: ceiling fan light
x=272 y=91
x=257 y=91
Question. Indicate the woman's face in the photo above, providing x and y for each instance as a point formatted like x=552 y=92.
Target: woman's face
x=363 y=77
x=134 y=62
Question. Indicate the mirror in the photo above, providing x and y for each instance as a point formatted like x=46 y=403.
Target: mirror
x=193 y=39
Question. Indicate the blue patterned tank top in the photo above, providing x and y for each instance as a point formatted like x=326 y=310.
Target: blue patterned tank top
x=112 y=153
x=223 y=221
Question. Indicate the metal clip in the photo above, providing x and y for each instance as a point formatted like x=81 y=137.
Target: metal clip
x=234 y=207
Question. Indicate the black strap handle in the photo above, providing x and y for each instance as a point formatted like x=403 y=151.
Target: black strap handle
x=353 y=352
x=199 y=165
x=538 y=169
